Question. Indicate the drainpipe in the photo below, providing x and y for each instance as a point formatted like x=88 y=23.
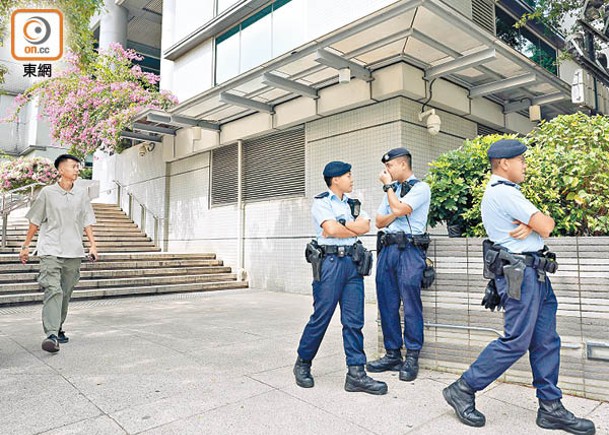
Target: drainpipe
x=240 y=215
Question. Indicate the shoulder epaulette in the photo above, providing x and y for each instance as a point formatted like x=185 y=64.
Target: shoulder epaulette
x=322 y=195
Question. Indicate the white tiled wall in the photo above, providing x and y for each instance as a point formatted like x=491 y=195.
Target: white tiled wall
x=275 y=232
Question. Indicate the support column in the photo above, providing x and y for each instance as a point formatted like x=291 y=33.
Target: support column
x=113 y=25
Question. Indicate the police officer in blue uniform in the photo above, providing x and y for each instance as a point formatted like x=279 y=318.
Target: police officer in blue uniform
x=337 y=254
x=519 y=260
x=402 y=219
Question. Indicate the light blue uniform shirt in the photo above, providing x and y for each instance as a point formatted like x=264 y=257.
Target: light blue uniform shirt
x=331 y=207
x=418 y=199
x=501 y=205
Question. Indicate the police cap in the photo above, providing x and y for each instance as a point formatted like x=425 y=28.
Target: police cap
x=394 y=153
x=336 y=169
x=506 y=149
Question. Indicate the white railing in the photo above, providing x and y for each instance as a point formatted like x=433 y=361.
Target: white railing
x=144 y=211
x=12 y=200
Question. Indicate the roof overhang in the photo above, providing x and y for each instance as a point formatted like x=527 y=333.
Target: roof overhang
x=427 y=34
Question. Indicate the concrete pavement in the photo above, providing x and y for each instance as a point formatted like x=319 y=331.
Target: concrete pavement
x=220 y=363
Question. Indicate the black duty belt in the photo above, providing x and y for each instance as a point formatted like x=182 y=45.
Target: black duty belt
x=338 y=250
x=539 y=262
x=396 y=238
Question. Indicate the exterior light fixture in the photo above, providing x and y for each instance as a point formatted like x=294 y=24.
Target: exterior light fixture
x=344 y=75
x=535 y=113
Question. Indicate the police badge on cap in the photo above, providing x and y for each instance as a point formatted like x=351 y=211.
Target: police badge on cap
x=394 y=153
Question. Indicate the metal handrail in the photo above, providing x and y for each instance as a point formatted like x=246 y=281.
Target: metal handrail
x=9 y=205
x=144 y=210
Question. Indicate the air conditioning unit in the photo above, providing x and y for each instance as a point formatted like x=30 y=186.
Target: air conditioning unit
x=582 y=89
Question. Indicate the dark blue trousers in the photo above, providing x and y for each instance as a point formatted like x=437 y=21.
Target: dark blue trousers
x=530 y=324
x=340 y=284
x=398 y=278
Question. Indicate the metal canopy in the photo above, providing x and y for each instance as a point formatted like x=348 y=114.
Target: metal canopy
x=502 y=85
x=459 y=64
x=425 y=33
x=289 y=85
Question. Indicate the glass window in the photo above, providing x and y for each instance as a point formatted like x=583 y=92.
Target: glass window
x=525 y=42
x=289 y=29
x=227 y=55
x=256 y=40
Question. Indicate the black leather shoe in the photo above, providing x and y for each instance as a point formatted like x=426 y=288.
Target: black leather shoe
x=553 y=415
x=50 y=344
x=410 y=368
x=392 y=361
x=302 y=373
x=462 y=398
x=62 y=338
x=358 y=381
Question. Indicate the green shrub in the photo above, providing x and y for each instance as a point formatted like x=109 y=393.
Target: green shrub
x=453 y=178
x=567 y=177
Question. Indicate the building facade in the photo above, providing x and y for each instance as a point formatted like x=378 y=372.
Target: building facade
x=271 y=90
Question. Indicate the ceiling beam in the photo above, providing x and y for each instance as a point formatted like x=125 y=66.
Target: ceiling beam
x=517 y=106
x=141 y=136
x=502 y=85
x=460 y=63
x=289 y=85
x=338 y=62
x=153 y=128
x=237 y=100
x=181 y=121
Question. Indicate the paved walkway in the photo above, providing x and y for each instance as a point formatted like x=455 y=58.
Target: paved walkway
x=220 y=363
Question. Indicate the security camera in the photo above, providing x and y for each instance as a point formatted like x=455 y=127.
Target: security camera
x=433 y=122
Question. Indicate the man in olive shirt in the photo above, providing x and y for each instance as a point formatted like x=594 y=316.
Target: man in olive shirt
x=61 y=212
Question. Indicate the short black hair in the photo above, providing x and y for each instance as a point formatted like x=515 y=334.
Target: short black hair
x=62 y=158
x=407 y=158
x=328 y=181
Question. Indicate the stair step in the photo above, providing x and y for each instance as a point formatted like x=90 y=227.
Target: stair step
x=7 y=258
x=130 y=264
x=17 y=268
x=122 y=273
x=128 y=291
x=106 y=249
x=124 y=282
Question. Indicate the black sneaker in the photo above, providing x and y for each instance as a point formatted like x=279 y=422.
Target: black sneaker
x=50 y=344
x=62 y=338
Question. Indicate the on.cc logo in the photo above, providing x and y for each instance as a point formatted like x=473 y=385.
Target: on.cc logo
x=37 y=34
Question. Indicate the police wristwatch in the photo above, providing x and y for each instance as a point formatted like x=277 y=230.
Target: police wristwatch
x=386 y=187
x=25 y=247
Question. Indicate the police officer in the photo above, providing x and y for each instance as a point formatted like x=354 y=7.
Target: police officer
x=402 y=217
x=515 y=225
x=339 y=282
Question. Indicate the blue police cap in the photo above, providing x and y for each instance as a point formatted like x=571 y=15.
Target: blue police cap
x=396 y=152
x=336 y=169
x=506 y=149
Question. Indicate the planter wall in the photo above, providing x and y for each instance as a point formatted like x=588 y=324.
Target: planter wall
x=458 y=328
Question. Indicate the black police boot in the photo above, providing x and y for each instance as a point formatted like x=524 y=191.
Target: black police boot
x=553 y=415
x=462 y=398
x=302 y=373
x=410 y=368
x=392 y=361
x=358 y=380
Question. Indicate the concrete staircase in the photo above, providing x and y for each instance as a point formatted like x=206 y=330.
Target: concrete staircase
x=130 y=264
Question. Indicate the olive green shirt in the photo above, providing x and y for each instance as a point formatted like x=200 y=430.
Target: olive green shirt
x=62 y=217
